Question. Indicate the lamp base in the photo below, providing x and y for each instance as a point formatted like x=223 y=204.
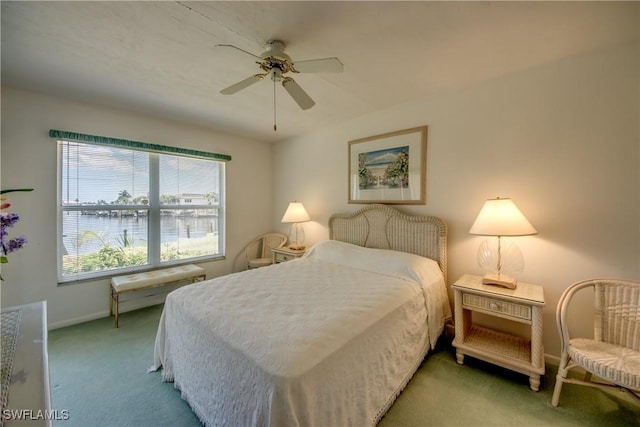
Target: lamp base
x=296 y=247
x=499 y=280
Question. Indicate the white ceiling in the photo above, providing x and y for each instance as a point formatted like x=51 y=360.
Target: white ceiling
x=160 y=57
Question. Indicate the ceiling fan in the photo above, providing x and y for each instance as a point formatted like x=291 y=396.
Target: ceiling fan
x=276 y=64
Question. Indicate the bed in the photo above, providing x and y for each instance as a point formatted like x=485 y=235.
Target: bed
x=331 y=338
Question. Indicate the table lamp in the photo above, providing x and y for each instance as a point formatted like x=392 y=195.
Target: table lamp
x=500 y=217
x=296 y=213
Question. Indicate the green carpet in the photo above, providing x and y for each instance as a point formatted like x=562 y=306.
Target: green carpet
x=98 y=373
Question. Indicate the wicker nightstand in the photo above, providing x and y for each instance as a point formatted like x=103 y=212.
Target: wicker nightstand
x=286 y=254
x=523 y=304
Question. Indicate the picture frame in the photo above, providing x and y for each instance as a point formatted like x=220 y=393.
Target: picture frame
x=390 y=168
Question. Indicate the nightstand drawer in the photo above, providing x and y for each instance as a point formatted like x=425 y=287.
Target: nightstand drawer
x=286 y=254
x=280 y=257
x=497 y=306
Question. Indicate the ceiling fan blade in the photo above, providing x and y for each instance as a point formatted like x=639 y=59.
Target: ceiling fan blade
x=237 y=48
x=325 y=65
x=243 y=84
x=300 y=96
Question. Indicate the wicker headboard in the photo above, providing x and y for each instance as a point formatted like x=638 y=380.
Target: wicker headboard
x=383 y=227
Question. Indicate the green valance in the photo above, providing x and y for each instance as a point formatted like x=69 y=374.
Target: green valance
x=135 y=145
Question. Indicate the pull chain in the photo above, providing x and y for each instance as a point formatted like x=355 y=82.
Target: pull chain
x=274 y=105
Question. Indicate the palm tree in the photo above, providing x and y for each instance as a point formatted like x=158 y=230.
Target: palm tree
x=123 y=198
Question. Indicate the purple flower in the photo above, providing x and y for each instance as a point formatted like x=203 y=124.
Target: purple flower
x=8 y=220
x=15 y=244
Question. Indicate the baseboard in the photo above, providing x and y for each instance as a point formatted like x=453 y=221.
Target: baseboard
x=77 y=320
x=551 y=359
x=128 y=305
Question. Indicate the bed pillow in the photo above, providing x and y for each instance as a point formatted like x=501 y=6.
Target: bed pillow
x=392 y=263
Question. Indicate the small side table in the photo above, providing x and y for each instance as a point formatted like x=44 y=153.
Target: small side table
x=285 y=254
x=523 y=304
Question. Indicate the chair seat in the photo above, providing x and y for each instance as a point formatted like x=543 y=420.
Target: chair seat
x=260 y=262
x=620 y=365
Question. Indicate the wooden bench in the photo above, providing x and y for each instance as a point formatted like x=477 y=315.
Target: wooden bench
x=149 y=280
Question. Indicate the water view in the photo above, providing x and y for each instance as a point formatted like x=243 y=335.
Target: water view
x=84 y=233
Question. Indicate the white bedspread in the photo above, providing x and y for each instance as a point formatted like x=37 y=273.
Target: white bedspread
x=310 y=342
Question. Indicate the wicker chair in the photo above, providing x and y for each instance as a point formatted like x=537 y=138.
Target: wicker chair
x=258 y=252
x=614 y=352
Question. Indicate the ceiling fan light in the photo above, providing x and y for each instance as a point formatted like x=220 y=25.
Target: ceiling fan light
x=276 y=74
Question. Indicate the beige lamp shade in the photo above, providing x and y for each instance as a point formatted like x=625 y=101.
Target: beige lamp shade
x=501 y=217
x=296 y=213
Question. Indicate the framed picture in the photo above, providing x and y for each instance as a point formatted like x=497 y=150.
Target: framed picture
x=389 y=168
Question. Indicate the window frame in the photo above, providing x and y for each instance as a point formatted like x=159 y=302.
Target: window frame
x=153 y=208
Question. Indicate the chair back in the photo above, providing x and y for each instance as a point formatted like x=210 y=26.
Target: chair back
x=270 y=241
x=617 y=319
x=261 y=246
x=612 y=354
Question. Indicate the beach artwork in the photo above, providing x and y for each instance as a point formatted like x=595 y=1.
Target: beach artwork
x=389 y=168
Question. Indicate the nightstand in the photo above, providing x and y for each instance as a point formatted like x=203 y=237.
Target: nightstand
x=285 y=254
x=523 y=304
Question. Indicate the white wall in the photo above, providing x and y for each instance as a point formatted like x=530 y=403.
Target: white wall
x=562 y=140
x=29 y=160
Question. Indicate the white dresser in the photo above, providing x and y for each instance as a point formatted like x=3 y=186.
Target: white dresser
x=29 y=399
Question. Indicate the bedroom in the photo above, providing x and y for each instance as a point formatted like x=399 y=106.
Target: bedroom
x=559 y=134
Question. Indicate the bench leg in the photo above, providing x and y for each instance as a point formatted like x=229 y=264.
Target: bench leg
x=115 y=300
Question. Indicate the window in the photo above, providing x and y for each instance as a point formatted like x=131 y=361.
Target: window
x=124 y=209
